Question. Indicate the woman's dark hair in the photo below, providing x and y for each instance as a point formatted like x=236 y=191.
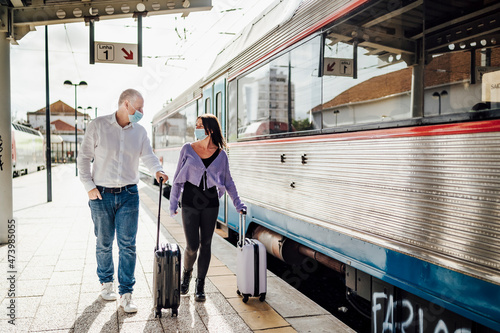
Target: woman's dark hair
x=212 y=125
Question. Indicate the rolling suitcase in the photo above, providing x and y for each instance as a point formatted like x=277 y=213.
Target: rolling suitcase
x=251 y=266
x=166 y=274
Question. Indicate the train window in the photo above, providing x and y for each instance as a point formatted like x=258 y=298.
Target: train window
x=232 y=103
x=381 y=91
x=253 y=112
x=218 y=105
x=177 y=129
x=305 y=85
x=279 y=96
x=207 y=105
x=450 y=87
x=160 y=134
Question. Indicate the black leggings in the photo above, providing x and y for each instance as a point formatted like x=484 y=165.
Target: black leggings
x=199 y=226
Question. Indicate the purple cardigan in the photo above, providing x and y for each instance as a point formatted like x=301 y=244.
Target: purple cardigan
x=190 y=168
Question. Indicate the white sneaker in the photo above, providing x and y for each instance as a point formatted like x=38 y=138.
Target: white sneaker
x=127 y=303
x=107 y=292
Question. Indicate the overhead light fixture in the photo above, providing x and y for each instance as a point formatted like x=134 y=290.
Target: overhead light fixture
x=186 y=4
x=61 y=14
x=141 y=7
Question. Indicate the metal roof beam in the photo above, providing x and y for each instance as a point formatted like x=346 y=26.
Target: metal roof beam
x=77 y=11
x=394 y=13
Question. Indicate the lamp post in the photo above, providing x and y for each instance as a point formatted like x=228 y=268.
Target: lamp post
x=438 y=96
x=82 y=84
x=85 y=119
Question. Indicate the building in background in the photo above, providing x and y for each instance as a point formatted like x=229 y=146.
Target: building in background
x=62 y=129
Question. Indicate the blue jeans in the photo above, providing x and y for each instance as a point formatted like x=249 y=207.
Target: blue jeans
x=116 y=212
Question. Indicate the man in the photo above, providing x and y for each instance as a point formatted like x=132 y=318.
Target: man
x=113 y=145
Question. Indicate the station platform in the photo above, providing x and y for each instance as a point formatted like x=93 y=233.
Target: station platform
x=57 y=290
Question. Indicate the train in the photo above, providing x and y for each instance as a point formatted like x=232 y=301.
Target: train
x=28 y=150
x=365 y=134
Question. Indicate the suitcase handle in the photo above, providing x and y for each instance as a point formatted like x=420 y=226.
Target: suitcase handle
x=242 y=226
x=159 y=211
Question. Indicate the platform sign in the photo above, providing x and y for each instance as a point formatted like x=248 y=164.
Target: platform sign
x=115 y=53
x=338 y=66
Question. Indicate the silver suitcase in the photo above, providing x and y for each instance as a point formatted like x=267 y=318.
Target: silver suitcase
x=251 y=269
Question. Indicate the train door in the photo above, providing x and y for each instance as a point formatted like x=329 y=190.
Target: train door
x=219 y=110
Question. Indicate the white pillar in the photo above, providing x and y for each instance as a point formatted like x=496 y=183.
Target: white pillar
x=6 y=210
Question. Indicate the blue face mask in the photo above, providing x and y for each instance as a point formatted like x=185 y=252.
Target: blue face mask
x=133 y=118
x=200 y=134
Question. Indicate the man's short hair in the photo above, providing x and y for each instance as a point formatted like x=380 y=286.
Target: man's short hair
x=130 y=95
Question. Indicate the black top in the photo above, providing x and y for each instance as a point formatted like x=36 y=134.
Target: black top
x=200 y=196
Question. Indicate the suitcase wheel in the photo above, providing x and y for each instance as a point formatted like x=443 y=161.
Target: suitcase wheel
x=174 y=312
x=245 y=298
x=157 y=312
x=262 y=297
x=238 y=292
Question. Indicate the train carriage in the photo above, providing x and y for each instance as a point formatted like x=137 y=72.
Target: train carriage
x=366 y=134
x=28 y=150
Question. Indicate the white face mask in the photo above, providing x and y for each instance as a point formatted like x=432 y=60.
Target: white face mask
x=134 y=118
x=199 y=133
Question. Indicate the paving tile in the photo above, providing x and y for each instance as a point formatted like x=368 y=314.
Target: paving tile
x=92 y=302
x=75 y=264
x=72 y=245
x=187 y=321
x=218 y=270
x=253 y=304
x=31 y=287
x=279 y=295
x=25 y=307
x=226 y=285
x=21 y=325
x=318 y=324
x=65 y=278
x=215 y=305
x=215 y=262
x=258 y=320
x=106 y=322
x=65 y=294
x=148 y=326
x=36 y=272
x=144 y=311
x=90 y=285
x=54 y=316
x=225 y=324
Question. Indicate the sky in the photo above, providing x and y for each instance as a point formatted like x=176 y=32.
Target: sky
x=176 y=53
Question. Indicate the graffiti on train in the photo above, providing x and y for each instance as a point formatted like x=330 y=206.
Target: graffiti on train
x=404 y=315
x=1 y=153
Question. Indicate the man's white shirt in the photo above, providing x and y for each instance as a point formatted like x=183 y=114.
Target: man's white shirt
x=110 y=154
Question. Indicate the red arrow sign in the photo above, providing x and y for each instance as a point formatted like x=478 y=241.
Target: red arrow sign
x=329 y=67
x=129 y=56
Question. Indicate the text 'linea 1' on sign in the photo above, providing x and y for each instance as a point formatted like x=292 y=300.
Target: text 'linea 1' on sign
x=116 y=53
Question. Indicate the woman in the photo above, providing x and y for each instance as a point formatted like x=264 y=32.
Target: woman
x=202 y=176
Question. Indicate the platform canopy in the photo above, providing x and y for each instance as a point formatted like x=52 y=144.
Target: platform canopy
x=18 y=17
